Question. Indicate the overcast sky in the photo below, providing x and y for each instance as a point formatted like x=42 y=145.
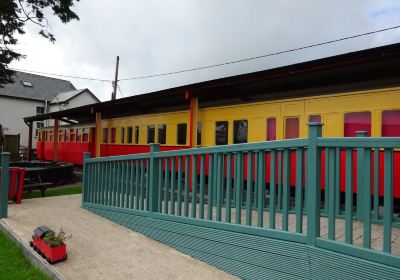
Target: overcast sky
x=153 y=37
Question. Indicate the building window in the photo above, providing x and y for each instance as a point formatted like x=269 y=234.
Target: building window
x=199 y=126
x=292 y=128
x=105 y=135
x=271 y=129
x=136 y=135
x=151 y=131
x=162 y=133
x=113 y=132
x=314 y=118
x=359 y=121
x=39 y=110
x=130 y=135
x=221 y=133
x=391 y=123
x=240 y=131
x=122 y=135
x=26 y=84
x=39 y=125
x=181 y=133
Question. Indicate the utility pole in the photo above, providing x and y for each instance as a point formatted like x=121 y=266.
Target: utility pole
x=115 y=83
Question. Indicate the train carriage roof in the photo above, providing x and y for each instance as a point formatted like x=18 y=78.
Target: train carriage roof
x=360 y=70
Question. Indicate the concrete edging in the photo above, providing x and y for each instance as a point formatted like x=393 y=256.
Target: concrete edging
x=32 y=256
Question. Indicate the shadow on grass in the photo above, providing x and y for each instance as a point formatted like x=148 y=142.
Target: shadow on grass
x=67 y=190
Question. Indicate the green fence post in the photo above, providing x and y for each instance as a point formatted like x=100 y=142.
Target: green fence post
x=5 y=162
x=153 y=178
x=360 y=175
x=85 y=187
x=313 y=190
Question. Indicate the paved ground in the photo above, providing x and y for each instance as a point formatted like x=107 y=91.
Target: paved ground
x=100 y=249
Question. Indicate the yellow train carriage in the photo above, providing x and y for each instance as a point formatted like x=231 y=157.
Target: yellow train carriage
x=290 y=117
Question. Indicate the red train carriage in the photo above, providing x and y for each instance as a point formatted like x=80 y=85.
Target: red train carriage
x=348 y=93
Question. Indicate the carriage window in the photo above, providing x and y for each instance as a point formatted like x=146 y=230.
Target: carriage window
x=61 y=136
x=85 y=135
x=122 y=135
x=51 y=136
x=240 y=131
x=181 y=133
x=151 y=131
x=66 y=135
x=314 y=118
x=391 y=123
x=271 y=129
x=105 y=135
x=353 y=122
x=292 y=128
x=130 y=134
x=72 y=135
x=199 y=133
x=221 y=133
x=78 y=135
x=113 y=133
x=136 y=135
x=162 y=133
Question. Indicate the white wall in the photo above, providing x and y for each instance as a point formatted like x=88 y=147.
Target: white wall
x=80 y=100
x=12 y=112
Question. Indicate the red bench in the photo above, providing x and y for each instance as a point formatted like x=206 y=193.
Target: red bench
x=17 y=177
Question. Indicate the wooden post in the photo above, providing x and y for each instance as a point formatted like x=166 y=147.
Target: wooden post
x=115 y=83
x=313 y=188
x=194 y=108
x=5 y=160
x=153 y=178
x=85 y=178
x=30 y=125
x=98 y=133
x=55 y=140
x=360 y=175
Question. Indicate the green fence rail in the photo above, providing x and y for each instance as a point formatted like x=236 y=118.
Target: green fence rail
x=270 y=189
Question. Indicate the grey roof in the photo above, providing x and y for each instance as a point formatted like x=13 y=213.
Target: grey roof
x=43 y=88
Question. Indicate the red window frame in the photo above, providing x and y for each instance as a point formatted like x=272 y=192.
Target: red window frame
x=357 y=121
x=391 y=123
x=271 y=129
x=292 y=127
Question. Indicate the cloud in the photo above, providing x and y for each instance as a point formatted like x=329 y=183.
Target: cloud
x=153 y=37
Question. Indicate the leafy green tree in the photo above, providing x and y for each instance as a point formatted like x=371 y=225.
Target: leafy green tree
x=13 y=16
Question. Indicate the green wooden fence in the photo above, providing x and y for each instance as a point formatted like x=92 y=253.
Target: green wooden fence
x=4 y=183
x=234 y=207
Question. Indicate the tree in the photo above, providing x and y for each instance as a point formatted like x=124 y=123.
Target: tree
x=13 y=16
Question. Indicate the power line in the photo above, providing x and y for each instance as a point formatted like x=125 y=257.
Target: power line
x=215 y=65
x=61 y=75
x=262 y=56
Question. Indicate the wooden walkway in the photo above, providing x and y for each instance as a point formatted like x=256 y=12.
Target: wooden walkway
x=376 y=229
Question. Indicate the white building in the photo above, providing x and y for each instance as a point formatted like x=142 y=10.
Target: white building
x=34 y=94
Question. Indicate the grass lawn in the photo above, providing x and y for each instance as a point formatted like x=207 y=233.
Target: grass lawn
x=67 y=190
x=13 y=264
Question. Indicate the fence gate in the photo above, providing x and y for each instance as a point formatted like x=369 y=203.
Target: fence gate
x=12 y=142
